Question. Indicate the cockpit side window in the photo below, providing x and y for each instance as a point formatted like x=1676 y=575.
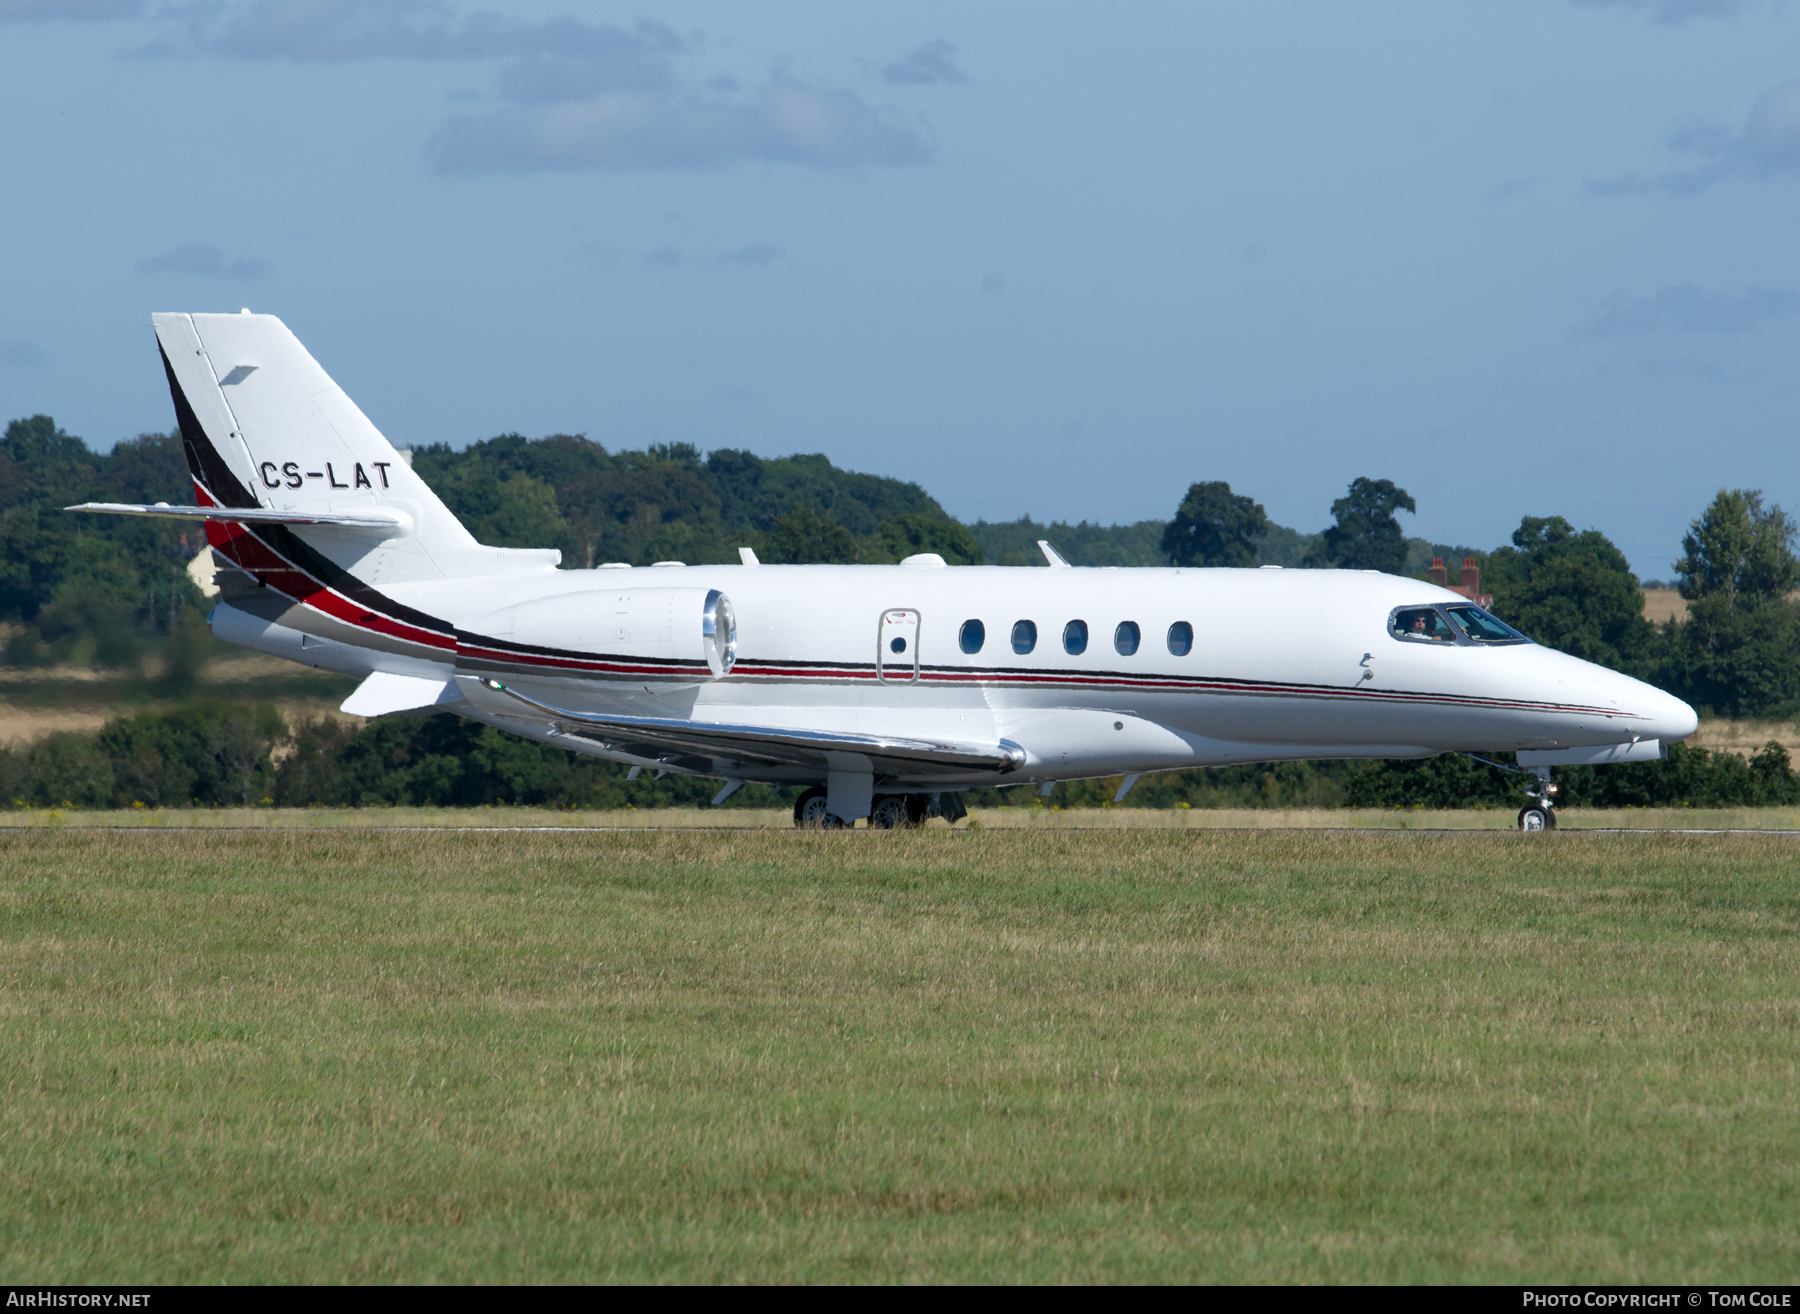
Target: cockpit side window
x=1482 y=627
x=1421 y=625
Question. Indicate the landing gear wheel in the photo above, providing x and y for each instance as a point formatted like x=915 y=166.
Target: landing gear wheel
x=1533 y=817
x=918 y=807
x=810 y=812
x=889 y=813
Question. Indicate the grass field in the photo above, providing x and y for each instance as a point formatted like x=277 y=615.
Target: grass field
x=344 y=1054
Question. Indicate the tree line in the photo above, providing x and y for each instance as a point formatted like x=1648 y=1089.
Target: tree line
x=1736 y=654
x=217 y=753
x=104 y=591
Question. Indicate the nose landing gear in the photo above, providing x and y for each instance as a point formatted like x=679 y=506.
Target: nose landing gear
x=1540 y=813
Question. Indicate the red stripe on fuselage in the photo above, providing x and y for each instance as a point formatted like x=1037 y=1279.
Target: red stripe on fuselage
x=237 y=543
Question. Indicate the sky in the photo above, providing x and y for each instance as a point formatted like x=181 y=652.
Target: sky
x=1523 y=257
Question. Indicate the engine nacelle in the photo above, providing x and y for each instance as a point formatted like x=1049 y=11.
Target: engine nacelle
x=666 y=624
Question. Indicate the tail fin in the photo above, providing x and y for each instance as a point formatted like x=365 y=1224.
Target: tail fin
x=264 y=426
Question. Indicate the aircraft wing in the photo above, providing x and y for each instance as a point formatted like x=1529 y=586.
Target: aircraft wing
x=672 y=740
x=386 y=520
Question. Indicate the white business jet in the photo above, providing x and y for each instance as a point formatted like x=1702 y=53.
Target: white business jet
x=882 y=689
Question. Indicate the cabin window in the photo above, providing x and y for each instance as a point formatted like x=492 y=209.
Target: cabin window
x=1181 y=638
x=1075 y=638
x=1480 y=627
x=1125 y=638
x=972 y=635
x=1421 y=625
x=1024 y=636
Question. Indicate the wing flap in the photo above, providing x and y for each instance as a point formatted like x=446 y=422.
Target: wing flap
x=666 y=737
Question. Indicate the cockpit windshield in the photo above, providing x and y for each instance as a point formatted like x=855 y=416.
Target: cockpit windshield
x=1484 y=628
x=1422 y=625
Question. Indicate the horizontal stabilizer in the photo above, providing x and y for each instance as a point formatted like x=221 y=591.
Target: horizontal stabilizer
x=663 y=738
x=387 y=522
x=385 y=692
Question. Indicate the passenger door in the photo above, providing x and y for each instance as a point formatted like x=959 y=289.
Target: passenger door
x=897 y=650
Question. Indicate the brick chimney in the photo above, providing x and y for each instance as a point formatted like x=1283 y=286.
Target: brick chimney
x=1471 y=579
x=1439 y=575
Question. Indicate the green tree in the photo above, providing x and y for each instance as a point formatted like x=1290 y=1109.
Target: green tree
x=1214 y=526
x=1365 y=535
x=1015 y=542
x=1736 y=550
x=1573 y=592
x=71 y=769
x=804 y=537
x=1738 y=653
x=914 y=532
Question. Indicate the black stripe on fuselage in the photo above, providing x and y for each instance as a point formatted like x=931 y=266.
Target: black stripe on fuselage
x=328 y=574
x=210 y=470
x=468 y=638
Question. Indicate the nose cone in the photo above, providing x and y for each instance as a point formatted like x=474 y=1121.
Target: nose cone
x=1674 y=719
x=1652 y=713
x=1661 y=716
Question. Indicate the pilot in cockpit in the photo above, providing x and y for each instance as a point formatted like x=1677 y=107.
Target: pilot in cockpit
x=1423 y=624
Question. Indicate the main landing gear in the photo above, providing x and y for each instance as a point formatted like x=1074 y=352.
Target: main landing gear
x=890 y=811
x=1540 y=813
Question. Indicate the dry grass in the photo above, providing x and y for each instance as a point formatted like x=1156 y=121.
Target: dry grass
x=22 y=726
x=349 y=1055
x=1747 y=738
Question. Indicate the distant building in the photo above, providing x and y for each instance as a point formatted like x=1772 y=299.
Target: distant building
x=1470 y=587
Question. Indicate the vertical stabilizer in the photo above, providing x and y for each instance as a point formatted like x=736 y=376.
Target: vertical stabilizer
x=264 y=426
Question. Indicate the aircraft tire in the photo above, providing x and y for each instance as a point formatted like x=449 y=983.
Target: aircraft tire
x=809 y=810
x=890 y=813
x=1535 y=818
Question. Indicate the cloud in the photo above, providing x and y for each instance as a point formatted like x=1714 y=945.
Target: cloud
x=203 y=260
x=570 y=94
x=70 y=10
x=1689 y=308
x=788 y=122
x=759 y=253
x=932 y=64
x=1674 y=12
x=21 y=354
x=1771 y=140
x=1767 y=147
x=546 y=79
x=333 y=31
